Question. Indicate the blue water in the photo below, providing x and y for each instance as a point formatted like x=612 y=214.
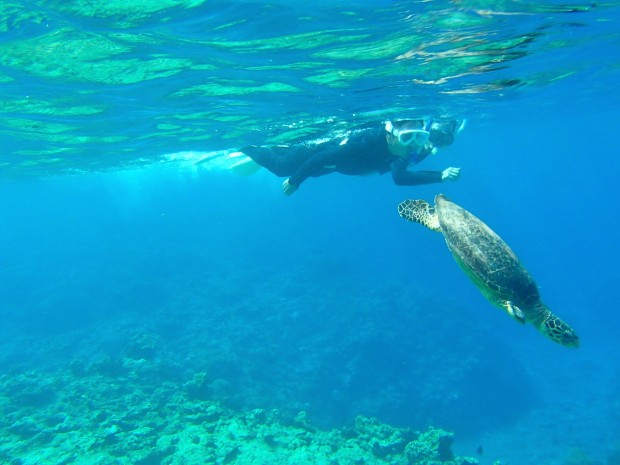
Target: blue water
x=326 y=301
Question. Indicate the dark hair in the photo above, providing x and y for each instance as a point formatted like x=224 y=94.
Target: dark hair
x=440 y=138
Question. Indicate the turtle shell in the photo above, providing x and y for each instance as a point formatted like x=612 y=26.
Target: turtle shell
x=485 y=257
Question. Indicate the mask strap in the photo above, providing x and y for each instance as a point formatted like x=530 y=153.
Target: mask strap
x=389 y=127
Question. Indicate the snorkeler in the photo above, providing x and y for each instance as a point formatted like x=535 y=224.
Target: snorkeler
x=392 y=146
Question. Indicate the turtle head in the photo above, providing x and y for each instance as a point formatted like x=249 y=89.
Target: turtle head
x=558 y=331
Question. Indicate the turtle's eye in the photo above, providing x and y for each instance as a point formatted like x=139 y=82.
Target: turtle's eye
x=570 y=338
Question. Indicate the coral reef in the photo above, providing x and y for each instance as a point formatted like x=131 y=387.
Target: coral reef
x=99 y=418
x=149 y=380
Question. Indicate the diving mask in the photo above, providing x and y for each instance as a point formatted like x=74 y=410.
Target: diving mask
x=407 y=136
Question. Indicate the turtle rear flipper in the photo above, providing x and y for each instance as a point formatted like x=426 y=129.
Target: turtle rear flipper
x=421 y=212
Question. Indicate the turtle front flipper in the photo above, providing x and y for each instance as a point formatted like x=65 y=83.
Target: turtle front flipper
x=514 y=311
x=421 y=212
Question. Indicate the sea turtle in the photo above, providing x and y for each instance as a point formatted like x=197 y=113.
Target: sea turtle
x=490 y=264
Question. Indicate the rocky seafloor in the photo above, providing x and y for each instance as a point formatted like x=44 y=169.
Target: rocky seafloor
x=178 y=368
x=83 y=416
x=214 y=378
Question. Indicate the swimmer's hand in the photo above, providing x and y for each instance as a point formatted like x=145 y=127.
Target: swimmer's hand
x=288 y=188
x=450 y=174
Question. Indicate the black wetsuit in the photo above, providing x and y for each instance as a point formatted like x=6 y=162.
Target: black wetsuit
x=363 y=151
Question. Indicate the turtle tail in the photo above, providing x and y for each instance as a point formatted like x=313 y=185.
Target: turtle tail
x=421 y=212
